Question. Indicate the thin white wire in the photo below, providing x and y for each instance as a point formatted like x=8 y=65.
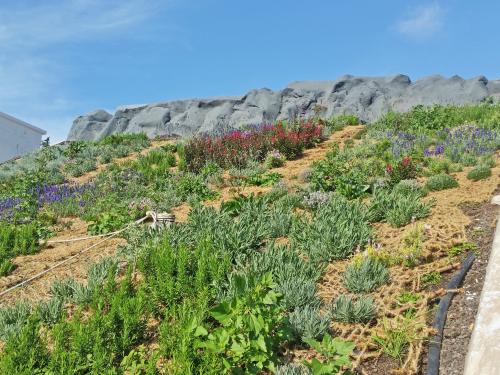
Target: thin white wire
x=109 y=236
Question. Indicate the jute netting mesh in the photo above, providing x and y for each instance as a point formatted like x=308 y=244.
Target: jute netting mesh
x=389 y=311
x=446 y=227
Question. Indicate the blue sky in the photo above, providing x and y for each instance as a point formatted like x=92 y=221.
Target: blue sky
x=60 y=59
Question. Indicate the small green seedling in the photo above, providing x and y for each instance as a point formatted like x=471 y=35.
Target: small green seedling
x=431 y=278
x=461 y=248
x=409 y=297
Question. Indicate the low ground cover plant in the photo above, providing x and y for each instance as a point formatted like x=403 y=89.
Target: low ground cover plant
x=17 y=240
x=441 y=181
x=334 y=231
x=366 y=275
x=348 y=310
x=479 y=173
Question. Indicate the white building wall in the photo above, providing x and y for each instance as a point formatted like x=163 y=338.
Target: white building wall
x=16 y=139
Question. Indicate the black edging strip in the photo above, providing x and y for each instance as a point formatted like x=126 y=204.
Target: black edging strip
x=440 y=319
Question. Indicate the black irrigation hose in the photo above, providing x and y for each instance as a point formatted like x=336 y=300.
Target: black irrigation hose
x=439 y=321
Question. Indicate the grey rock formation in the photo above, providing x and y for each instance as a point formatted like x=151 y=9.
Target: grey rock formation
x=366 y=97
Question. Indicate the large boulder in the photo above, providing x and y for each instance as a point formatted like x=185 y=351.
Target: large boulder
x=367 y=97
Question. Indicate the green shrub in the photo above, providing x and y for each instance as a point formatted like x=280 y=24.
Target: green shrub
x=63 y=290
x=274 y=159
x=398 y=206
x=295 y=278
x=461 y=248
x=404 y=169
x=441 y=181
x=345 y=309
x=366 y=275
x=409 y=297
x=174 y=273
x=190 y=185
x=396 y=335
x=488 y=160
x=126 y=139
x=442 y=165
x=156 y=164
x=51 y=311
x=421 y=118
x=481 y=172
x=410 y=253
x=335 y=353
x=256 y=337
x=334 y=231
x=265 y=179
x=88 y=165
x=21 y=239
x=309 y=322
x=13 y=319
x=108 y=222
x=25 y=353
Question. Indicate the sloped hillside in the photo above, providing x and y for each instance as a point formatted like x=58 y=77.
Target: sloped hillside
x=305 y=247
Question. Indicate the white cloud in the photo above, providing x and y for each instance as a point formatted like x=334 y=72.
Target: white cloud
x=60 y=21
x=32 y=84
x=422 y=22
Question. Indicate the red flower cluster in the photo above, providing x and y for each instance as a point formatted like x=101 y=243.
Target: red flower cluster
x=239 y=147
x=405 y=169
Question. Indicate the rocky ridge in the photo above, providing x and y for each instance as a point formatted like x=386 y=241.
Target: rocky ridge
x=366 y=97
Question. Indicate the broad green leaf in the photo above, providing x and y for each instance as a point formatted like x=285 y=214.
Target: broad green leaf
x=200 y=331
x=221 y=312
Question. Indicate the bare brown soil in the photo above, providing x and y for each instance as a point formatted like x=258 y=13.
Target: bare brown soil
x=29 y=265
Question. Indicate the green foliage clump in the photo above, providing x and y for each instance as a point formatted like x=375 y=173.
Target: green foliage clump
x=481 y=172
x=437 y=117
x=264 y=179
x=174 y=273
x=13 y=319
x=309 y=322
x=26 y=352
x=335 y=352
x=334 y=231
x=431 y=278
x=441 y=181
x=156 y=164
x=398 y=206
x=461 y=248
x=51 y=311
x=251 y=327
x=395 y=336
x=21 y=239
x=192 y=186
x=366 y=275
x=346 y=309
x=411 y=252
x=108 y=222
x=442 y=165
x=409 y=297
x=274 y=159
x=341 y=121
x=346 y=171
x=139 y=140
